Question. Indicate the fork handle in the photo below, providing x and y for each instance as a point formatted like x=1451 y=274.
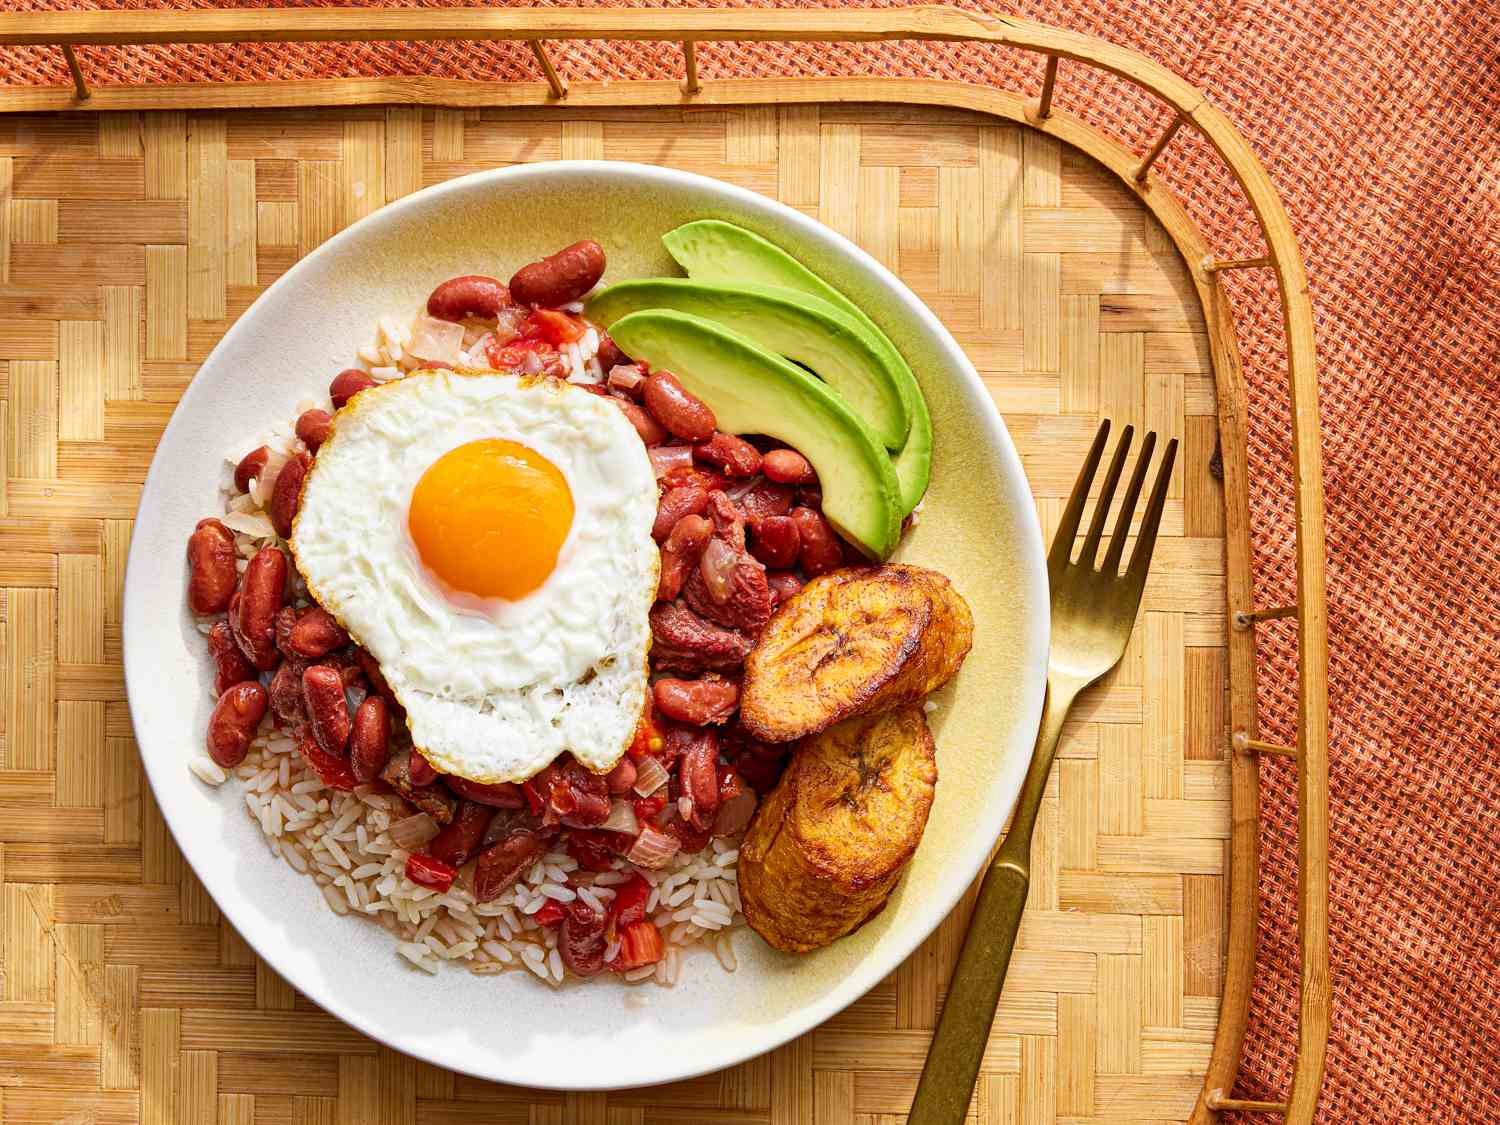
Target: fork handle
x=953 y=1060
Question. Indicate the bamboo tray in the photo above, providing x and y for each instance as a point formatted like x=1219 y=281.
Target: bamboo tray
x=131 y=241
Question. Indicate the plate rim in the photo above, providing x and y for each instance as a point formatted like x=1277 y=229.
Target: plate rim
x=1031 y=573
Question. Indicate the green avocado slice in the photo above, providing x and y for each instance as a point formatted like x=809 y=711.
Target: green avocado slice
x=752 y=391
x=803 y=328
x=713 y=250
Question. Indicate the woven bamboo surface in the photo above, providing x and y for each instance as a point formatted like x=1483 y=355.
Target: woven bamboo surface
x=129 y=243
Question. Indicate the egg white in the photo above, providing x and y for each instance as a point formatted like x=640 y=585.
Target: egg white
x=493 y=690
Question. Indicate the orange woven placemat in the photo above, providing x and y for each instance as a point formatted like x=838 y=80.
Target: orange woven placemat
x=1380 y=124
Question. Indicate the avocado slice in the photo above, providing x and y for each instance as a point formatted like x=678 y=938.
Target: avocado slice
x=752 y=391
x=713 y=250
x=801 y=327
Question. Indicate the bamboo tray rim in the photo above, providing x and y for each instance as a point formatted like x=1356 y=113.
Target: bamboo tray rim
x=1191 y=106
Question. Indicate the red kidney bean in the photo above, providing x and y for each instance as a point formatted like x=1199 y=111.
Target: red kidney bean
x=502 y=863
x=731 y=455
x=497 y=794
x=316 y=634
x=471 y=295
x=621 y=779
x=652 y=432
x=609 y=354
x=369 y=739
x=313 y=427
x=811 y=496
x=766 y=499
x=783 y=585
x=787 y=466
x=680 y=553
x=581 y=939
x=421 y=771
x=561 y=277
x=211 y=567
x=251 y=466
x=327 y=710
x=775 y=541
x=262 y=591
x=699 y=778
x=233 y=722
x=820 y=551
x=700 y=702
x=348 y=383
x=675 y=503
x=371 y=668
x=286 y=496
x=685 y=415
x=460 y=838
x=230 y=664
x=286 y=618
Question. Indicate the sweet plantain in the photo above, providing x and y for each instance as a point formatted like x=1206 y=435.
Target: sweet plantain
x=827 y=846
x=854 y=642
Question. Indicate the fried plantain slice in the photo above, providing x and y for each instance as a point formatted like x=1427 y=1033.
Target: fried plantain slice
x=853 y=642
x=827 y=846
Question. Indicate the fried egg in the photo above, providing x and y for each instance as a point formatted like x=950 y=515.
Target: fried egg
x=487 y=539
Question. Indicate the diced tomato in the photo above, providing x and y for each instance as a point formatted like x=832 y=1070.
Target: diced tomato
x=504 y=357
x=553 y=326
x=640 y=944
x=628 y=907
x=430 y=872
x=332 y=771
x=550 y=914
x=460 y=839
x=647 y=738
x=647 y=807
x=534 y=798
x=595 y=849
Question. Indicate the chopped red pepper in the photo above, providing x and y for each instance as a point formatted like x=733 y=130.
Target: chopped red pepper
x=640 y=944
x=332 y=771
x=430 y=872
x=628 y=907
x=550 y=914
x=504 y=357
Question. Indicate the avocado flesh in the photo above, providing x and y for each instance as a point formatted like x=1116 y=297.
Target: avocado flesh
x=793 y=324
x=752 y=391
x=713 y=250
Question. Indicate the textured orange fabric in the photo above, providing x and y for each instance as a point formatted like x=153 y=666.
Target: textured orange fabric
x=1379 y=121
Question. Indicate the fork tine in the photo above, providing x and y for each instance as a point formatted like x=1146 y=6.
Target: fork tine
x=1111 y=565
x=1106 y=494
x=1144 y=545
x=1067 y=528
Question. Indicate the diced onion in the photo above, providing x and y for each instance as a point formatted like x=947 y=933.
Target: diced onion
x=621 y=819
x=665 y=458
x=626 y=376
x=436 y=341
x=650 y=775
x=718 y=565
x=652 y=848
x=744 y=488
x=530 y=364
x=253 y=524
x=414 y=831
x=734 y=814
x=268 y=474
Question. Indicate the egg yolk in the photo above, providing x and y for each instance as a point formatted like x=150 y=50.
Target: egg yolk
x=489 y=518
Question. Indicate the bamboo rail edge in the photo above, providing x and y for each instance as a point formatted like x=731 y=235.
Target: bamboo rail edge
x=69 y=30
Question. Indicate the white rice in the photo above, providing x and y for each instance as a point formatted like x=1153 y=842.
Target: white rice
x=342 y=841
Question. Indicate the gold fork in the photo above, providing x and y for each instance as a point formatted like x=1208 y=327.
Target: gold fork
x=1093 y=612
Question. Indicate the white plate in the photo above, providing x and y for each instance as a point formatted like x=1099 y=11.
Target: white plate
x=978 y=525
